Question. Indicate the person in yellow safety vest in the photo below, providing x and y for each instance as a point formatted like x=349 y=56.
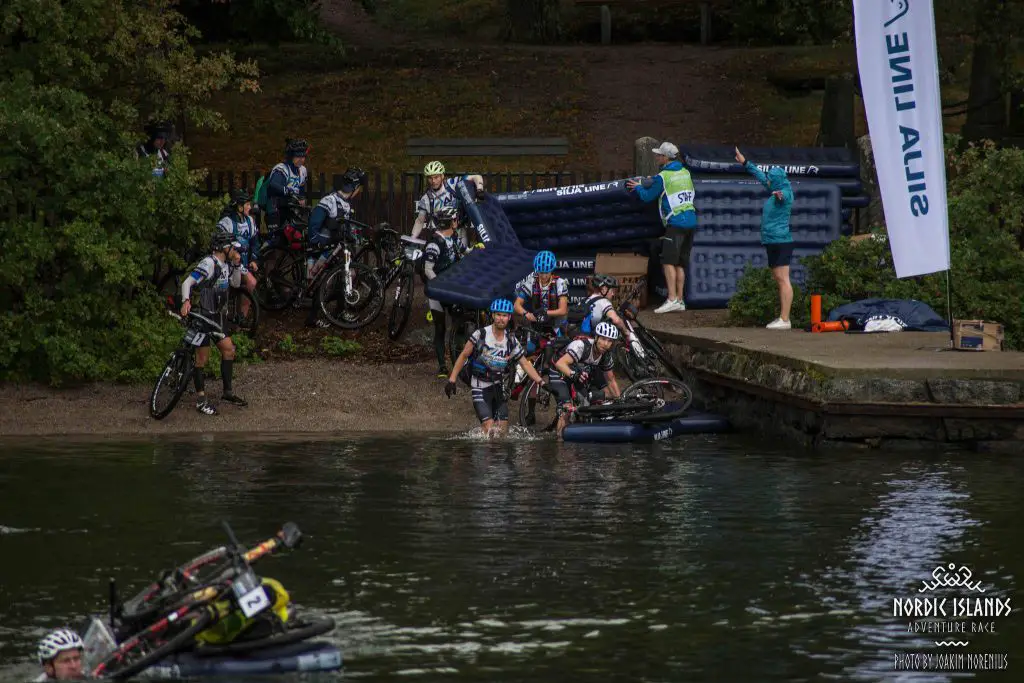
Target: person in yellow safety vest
x=679 y=216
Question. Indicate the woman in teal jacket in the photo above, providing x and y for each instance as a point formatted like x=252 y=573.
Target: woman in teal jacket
x=775 y=235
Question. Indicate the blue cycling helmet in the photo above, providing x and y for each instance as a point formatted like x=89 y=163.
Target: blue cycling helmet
x=544 y=262
x=502 y=306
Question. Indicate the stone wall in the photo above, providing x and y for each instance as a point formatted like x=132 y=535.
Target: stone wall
x=796 y=412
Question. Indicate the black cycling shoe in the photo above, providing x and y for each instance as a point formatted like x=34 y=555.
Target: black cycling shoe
x=234 y=400
x=205 y=407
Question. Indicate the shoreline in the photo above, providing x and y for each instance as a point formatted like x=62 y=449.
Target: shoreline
x=310 y=396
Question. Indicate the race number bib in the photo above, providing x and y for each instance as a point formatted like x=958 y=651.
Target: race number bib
x=251 y=596
x=195 y=337
x=678 y=199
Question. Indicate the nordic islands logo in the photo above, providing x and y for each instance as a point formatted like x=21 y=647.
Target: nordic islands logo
x=953 y=610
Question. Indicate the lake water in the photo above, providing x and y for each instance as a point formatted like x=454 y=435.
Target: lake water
x=709 y=558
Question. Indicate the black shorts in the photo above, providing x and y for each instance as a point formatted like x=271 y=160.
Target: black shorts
x=676 y=246
x=779 y=254
x=490 y=403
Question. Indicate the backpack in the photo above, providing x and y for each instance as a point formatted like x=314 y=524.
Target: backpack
x=583 y=313
x=466 y=373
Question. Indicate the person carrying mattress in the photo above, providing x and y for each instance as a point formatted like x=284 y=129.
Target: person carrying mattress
x=444 y=249
x=441 y=192
x=490 y=354
x=775 y=234
x=674 y=186
x=542 y=297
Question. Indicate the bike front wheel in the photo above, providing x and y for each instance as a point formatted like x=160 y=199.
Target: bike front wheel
x=353 y=304
x=538 y=408
x=675 y=394
x=401 y=309
x=171 y=384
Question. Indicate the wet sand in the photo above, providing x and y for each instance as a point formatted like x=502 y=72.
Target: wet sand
x=316 y=395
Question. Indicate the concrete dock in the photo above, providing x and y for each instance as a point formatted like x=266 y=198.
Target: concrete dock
x=899 y=387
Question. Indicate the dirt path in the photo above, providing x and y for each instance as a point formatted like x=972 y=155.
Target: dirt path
x=662 y=90
x=293 y=396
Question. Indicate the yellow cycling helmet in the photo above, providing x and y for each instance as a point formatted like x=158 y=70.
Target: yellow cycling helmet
x=433 y=168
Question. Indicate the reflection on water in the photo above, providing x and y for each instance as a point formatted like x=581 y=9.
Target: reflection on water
x=706 y=558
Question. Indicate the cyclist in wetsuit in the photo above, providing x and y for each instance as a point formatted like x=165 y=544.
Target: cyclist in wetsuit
x=444 y=249
x=60 y=654
x=542 y=297
x=441 y=192
x=214 y=275
x=492 y=353
x=287 y=180
x=237 y=222
x=587 y=364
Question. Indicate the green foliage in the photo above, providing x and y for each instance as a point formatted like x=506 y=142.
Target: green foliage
x=789 y=22
x=287 y=344
x=336 y=346
x=986 y=215
x=82 y=221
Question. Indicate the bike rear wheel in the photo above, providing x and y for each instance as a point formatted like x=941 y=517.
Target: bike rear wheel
x=171 y=384
x=243 y=321
x=355 y=306
x=281 y=278
x=673 y=392
x=401 y=309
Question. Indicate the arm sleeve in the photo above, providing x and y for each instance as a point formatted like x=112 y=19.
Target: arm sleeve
x=757 y=173
x=649 y=194
x=429 y=258
x=563 y=287
x=235 y=279
x=276 y=187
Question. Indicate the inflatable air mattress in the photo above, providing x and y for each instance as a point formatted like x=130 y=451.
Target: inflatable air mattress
x=716 y=270
x=483 y=276
x=821 y=162
x=306 y=656
x=627 y=432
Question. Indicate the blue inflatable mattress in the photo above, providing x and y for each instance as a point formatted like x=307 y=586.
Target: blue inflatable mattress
x=304 y=656
x=626 y=432
x=715 y=271
x=482 y=276
x=730 y=213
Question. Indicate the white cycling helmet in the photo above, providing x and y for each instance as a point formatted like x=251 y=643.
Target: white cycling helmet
x=57 y=641
x=608 y=330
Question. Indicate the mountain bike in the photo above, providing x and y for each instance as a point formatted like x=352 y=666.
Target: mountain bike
x=349 y=293
x=401 y=267
x=177 y=373
x=547 y=345
x=647 y=401
x=195 y=609
x=651 y=359
x=462 y=324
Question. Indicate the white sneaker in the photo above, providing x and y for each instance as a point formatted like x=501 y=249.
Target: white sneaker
x=669 y=305
x=779 y=324
x=680 y=306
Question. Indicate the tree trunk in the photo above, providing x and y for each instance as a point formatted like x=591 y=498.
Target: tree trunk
x=533 y=21
x=986 y=109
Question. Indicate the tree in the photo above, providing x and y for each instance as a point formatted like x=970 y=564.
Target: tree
x=533 y=21
x=81 y=219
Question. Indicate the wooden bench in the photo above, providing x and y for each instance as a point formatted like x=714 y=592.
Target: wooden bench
x=606 y=14
x=487 y=147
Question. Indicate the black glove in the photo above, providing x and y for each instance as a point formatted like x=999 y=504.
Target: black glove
x=580 y=378
x=450 y=389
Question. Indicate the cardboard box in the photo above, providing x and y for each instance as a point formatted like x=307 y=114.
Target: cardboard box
x=628 y=269
x=977 y=335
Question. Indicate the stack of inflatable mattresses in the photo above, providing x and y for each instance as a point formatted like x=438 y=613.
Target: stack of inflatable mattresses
x=580 y=221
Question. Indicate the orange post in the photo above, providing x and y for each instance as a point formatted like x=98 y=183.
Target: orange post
x=815 y=309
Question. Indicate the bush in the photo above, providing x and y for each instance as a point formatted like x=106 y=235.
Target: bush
x=986 y=215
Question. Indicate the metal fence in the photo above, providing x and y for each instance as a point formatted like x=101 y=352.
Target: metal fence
x=391 y=196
